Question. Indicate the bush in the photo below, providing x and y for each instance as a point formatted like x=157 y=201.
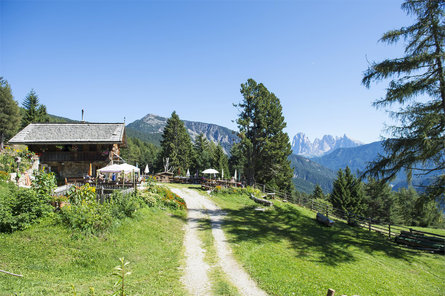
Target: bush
x=44 y=183
x=8 y=159
x=21 y=207
x=164 y=197
x=4 y=176
x=88 y=216
x=83 y=193
x=149 y=198
x=124 y=205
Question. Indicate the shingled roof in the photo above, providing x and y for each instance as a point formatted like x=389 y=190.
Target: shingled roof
x=70 y=133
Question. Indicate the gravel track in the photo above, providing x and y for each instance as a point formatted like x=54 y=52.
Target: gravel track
x=195 y=277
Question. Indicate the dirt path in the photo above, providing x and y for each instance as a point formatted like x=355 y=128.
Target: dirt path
x=198 y=207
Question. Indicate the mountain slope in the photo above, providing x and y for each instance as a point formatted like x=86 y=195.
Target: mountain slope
x=150 y=129
x=302 y=145
x=356 y=158
x=308 y=173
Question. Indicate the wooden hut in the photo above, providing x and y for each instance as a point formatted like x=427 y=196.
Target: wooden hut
x=73 y=150
x=164 y=177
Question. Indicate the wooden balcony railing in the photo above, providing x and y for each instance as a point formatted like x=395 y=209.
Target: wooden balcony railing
x=72 y=156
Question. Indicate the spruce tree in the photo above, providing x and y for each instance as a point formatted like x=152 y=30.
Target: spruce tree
x=176 y=145
x=34 y=112
x=264 y=144
x=347 y=195
x=418 y=86
x=202 y=154
x=220 y=161
x=237 y=160
x=379 y=200
x=318 y=193
x=9 y=113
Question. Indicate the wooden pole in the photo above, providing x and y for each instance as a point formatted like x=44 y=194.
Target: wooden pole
x=389 y=230
x=331 y=292
x=369 y=223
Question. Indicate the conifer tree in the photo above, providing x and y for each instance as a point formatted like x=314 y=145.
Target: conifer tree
x=418 y=85
x=34 y=112
x=176 y=145
x=202 y=154
x=379 y=200
x=220 y=161
x=347 y=195
x=318 y=193
x=9 y=113
x=264 y=144
x=237 y=160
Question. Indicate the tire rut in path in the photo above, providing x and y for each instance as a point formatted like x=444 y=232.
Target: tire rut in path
x=197 y=205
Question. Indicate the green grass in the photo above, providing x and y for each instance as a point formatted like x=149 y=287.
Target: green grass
x=286 y=251
x=51 y=259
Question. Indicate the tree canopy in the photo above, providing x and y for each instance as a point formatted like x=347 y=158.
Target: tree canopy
x=176 y=145
x=9 y=113
x=34 y=112
x=418 y=86
x=264 y=144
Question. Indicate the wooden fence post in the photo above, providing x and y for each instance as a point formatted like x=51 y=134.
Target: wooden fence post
x=331 y=292
x=389 y=230
x=264 y=188
x=369 y=222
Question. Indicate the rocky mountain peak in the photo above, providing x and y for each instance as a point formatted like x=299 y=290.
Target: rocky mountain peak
x=302 y=145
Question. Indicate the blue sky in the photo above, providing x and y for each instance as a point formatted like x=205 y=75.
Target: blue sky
x=121 y=59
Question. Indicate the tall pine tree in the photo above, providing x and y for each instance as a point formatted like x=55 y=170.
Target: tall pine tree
x=418 y=85
x=9 y=113
x=264 y=143
x=176 y=145
x=34 y=112
x=202 y=154
x=220 y=162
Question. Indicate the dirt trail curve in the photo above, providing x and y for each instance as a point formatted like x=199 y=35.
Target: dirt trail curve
x=195 y=277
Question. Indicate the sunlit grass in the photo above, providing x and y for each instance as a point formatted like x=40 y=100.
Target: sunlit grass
x=286 y=251
x=51 y=259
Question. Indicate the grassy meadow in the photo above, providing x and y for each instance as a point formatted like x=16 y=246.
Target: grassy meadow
x=288 y=253
x=52 y=258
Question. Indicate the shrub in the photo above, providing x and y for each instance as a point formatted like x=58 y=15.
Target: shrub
x=44 y=183
x=149 y=198
x=82 y=193
x=164 y=197
x=88 y=216
x=4 y=176
x=21 y=207
x=124 y=205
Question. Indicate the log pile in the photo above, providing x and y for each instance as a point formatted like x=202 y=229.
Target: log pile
x=421 y=241
x=264 y=202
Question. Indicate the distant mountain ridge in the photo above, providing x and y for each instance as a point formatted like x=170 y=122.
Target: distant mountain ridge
x=308 y=173
x=302 y=145
x=357 y=159
x=151 y=126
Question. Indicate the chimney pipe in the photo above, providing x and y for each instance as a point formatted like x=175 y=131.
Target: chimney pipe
x=82 y=116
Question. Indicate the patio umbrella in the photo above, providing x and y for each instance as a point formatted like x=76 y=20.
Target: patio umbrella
x=234 y=177
x=188 y=173
x=210 y=171
x=147 y=170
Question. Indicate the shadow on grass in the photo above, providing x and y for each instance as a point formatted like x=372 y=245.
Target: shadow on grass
x=329 y=246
